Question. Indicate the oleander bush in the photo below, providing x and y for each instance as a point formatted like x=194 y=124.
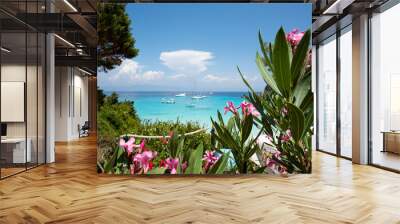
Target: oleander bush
x=286 y=104
x=116 y=119
x=269 y=132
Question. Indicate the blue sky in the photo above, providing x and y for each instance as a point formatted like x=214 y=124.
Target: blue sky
x=185 y=47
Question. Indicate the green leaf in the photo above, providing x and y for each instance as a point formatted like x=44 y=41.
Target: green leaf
x=220 y=166
x=260 y=170
x=231 y=123
x=224 y=136
x=180 y=147
x=296 y=118
x=245 y=81
x=300 y=57
x=309 y=119
x=109 y=164
x=246 y=128
x=264 y=50
x=195 y=161
x=157 y=170
x=120 y=152
x=281 y=62
x=268 y=78
x=221 y=119
x=301 y=91
x=308 y=103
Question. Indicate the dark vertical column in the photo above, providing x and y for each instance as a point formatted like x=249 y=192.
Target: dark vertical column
x=369 y=96
x=37 y=89
x=317 y=97
x=26 y=86
x=338 y=75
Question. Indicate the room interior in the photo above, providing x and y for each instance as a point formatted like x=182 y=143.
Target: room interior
x=339 y=190
x=28 y=61
x=22 y=101
x=336 y=46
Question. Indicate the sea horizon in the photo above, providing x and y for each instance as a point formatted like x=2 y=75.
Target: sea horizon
x=196 y=106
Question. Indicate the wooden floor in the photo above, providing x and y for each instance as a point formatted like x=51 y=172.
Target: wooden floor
x=70 y=191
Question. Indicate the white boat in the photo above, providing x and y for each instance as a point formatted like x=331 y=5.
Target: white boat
x=181 y=95
x=168 y=101
x=198 y=97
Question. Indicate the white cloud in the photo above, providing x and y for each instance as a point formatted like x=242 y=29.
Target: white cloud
x=131 y=70
x=215 y=78
x=186 y=61
x=153 y=75
x=178 y=76
x=129 y=67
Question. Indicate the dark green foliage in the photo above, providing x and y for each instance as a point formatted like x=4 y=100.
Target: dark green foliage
x=235 y=135
x=165 y=128
x=114 y=119
x=115 y=41
x=287 y=102
x=100 y=97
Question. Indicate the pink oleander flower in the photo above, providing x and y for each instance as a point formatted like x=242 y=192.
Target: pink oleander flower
x=172 y=164
x=162 y=163
x=209 y=158
x=271 y=162
x=128 y=146
x=184 y=166
x=277 y=154
x=286 y=137
x=294 y=37
x=230 y=107
x=284 y=111
x=248 y=108
x=282 y=170
x=144 y=160
x=142 y=146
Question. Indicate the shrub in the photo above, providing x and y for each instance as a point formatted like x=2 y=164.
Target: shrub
x=286 y=104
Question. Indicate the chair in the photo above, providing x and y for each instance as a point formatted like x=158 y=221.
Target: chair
x=84 y=130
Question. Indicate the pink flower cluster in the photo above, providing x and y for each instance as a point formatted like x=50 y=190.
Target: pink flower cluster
x=271 y=162
x=294 y=37
x=210 y=159
x=142 y=158
x=172 y=164
x=246 y=107
x=286 y=136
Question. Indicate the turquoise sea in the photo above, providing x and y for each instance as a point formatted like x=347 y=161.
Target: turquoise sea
x=166 y=106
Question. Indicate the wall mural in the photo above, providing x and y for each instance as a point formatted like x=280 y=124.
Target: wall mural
x=204 y=89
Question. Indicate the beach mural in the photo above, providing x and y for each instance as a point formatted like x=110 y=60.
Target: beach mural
x=204 y=89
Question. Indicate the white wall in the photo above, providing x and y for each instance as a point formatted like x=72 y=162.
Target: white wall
x=71 y=102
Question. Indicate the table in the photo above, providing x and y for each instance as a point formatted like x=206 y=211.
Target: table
x=391 y=141
x=13 y=150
